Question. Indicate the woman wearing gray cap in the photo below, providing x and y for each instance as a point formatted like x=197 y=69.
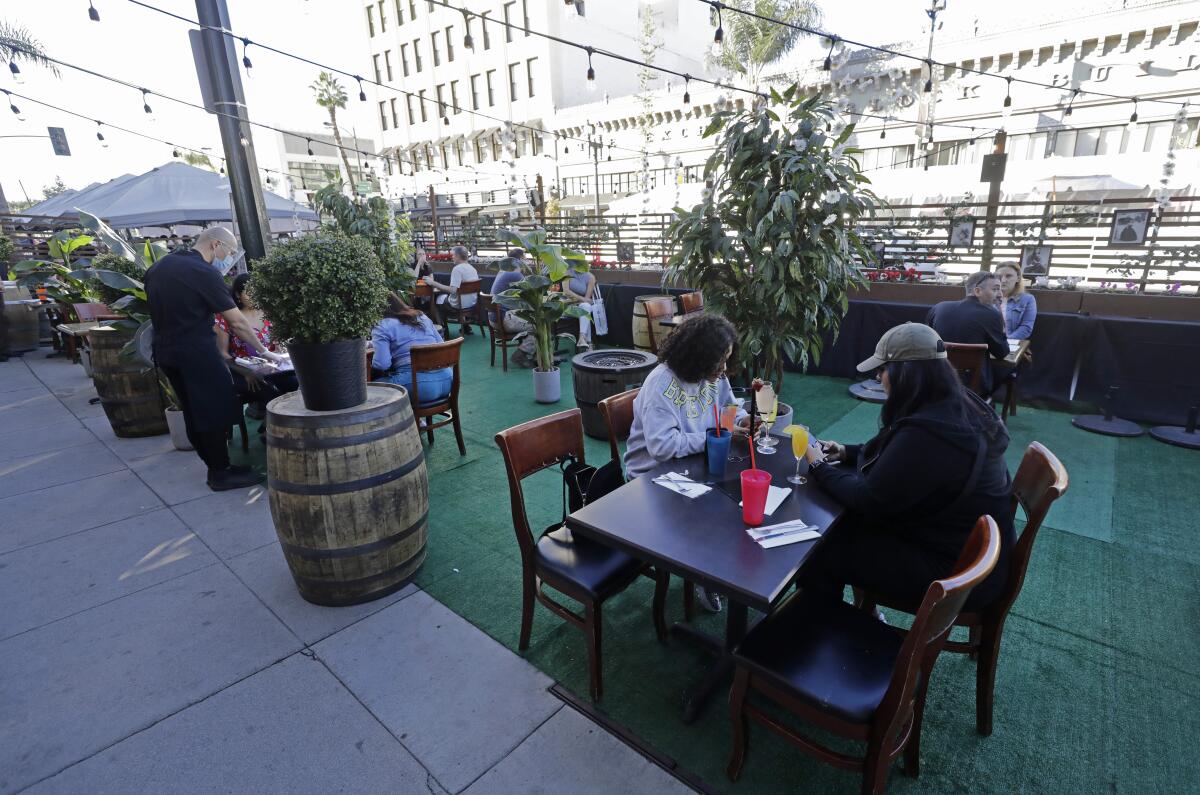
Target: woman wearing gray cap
x=915 y=490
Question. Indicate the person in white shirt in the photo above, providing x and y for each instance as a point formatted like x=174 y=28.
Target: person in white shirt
x=463 y=271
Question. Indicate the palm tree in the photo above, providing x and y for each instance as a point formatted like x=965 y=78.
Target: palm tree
x=199 y=160
x=332 y=97
x=752 y=44
x=18 y=46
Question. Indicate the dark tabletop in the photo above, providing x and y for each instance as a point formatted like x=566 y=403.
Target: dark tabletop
x=704 y=539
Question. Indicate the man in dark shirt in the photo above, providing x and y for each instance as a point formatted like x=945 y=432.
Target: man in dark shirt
x=186 y=291
x=975 y=319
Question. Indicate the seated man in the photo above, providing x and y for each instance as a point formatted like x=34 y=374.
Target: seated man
x=463 y=271
x=975 y=319
x=510 y=274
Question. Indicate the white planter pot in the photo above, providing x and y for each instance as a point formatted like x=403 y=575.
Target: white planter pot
x=783 y=418
x=178 y=429
x=547 y=386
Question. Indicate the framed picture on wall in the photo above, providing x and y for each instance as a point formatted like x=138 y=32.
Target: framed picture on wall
x=1129 y=228
x=626 y=252
x=1035 y=259
x=962 y=233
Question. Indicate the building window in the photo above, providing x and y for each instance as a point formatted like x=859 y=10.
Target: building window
x=437 y=55
x=1111 y=140
x=512 y=82
x=399 y=12
x=440 y=92
x=524 y=13
x=421 y=97
x=454 y=97
x=458 y=150
x=382 y=17
x=412 y=9
x=1157 y=136
x=417 y=53
x=537 y=142
x=428 y=156
x=378 y=73
x=480 y=152
x=395 y=115
x=508 y=12
x=1064 y=143
x=491 y=87
x=445 y=156
x=371 y=21
x=383 y=116
x=496 y=152
x=530 y=65
x=474 y=92
x=412 y=111
x=404 y=59
x=449 y=43
x=487 y=39
x=387 y=64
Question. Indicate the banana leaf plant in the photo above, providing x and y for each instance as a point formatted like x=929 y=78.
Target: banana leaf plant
x=532 y=299
x=56 y=275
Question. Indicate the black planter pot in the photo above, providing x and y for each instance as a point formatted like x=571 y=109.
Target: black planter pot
x=333 y=375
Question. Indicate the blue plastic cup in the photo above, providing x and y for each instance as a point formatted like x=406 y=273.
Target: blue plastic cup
x=717 y=448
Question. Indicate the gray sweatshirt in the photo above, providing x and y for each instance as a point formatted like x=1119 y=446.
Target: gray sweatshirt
x=670 y=418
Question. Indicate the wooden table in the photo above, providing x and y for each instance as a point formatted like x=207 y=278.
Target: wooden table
x=675 y=320
x=71 y=331
x=1014 y=354
x=704 y=540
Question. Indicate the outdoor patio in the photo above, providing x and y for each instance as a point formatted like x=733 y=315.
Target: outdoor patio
x=152 y=638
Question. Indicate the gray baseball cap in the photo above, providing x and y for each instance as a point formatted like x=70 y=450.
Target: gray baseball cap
x=911 y=342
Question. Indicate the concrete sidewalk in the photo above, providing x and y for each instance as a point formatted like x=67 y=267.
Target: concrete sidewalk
x=152 y=640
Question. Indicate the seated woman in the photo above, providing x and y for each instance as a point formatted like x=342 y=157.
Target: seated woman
x=1018 y=307
x=674 y=409
x=915 y=491
x=258 y=391
x=401 y=328
x=580 y=287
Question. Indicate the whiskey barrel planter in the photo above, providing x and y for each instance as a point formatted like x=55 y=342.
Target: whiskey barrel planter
x=665 y=304
x=128 y=389
x=601 y=374
x=349 y=495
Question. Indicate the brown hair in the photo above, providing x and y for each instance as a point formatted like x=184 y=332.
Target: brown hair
x=398 y=310
x=1015 y=268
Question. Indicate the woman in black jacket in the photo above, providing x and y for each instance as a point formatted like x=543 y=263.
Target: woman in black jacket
x=915 y=491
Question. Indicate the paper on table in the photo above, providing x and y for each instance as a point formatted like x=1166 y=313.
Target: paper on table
x=789 y=538
x=682 y=485
x=1013 y=345
x=775 y=498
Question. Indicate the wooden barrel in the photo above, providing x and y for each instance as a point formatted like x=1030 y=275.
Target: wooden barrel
x=349 y=495
x=604 y=373
x=666 y=304
x=128 y=389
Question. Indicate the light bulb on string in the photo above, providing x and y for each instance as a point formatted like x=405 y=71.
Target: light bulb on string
x=1133 y=117
x=146 y=104
x=18 y=78
x=468 y=41
x=1071 y=102
x=175 y=152
x=687 y=96
x=719 y=35
x=828 y=66
x=591 y=72
x=222 y=169
x=883 y=132
x=310 y=151
x=100 y=135
x=362 y=95
x=12 y=106
x=93 y=14
x=246 y=58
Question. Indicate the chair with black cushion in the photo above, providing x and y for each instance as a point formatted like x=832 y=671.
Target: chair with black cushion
x=691 y=302
x=1040 y=480
x=969 y=359
x=437 y=357
x=840 y=669
x=584 y=570
x=471 y=316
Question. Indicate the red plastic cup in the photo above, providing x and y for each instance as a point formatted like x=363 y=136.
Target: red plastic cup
x=755 y=485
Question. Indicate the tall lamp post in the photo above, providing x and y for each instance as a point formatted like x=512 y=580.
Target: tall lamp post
x=935 y=8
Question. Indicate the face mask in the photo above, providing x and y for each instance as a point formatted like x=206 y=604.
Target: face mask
x=225 y=263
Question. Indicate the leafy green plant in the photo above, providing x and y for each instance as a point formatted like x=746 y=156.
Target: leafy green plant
x=6 y=250
x=751 y=44
x=320 y=289
x=372 y=220
x=775 y=250
x=532 y=300
x=58 y=278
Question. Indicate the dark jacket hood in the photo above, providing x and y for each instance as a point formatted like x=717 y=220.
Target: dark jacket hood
x=960 y=428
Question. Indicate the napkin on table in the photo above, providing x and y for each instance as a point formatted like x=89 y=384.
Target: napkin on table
x=682 y=485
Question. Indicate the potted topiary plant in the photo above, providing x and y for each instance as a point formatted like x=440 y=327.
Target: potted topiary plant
x=322 y=295
x=532 y=300
x=774 y=244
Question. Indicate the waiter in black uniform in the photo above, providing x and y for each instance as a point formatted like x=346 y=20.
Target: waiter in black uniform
x=186 y=291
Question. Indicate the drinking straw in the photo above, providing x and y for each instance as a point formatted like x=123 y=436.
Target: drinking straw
x=717 y=418
x=752 y=464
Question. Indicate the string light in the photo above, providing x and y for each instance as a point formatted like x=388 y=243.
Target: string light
x=16 y=71
x=362 y=95
x=591 y=72
x=687 y=96
x=1133 y=117
x=468 y=41
x=100 y=136
x=929 y=80
x=11 y=106
x=93 y=14
x=883 y=132
x=1008 y=92
x=146 y=103
x=719 y=35
x=1071 y=102
x=310 y=151
x=833 y=40
x=246 y=58
x=175 y=152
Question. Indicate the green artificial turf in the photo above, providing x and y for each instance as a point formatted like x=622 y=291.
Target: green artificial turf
x=1098 y=687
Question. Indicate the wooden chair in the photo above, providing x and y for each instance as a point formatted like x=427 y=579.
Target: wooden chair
x=471 y=316
x=583 y=570
x=969 y=359
x=85 y=313
x=423 y=290
x=691 y=302
x=499 y=336
x=1041 y=479
x=436 y=357
x=842 y=670
x=656 y=311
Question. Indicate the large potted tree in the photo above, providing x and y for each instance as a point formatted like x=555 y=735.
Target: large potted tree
x=322 y=295
x=774 y=244
x=533 y=300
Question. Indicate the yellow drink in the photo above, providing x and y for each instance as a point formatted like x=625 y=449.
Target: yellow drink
x=799 y=440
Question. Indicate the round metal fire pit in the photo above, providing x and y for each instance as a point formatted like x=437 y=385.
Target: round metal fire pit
x=601 y=374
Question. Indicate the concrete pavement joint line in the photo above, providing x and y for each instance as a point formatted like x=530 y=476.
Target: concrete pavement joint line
x=157 y=721
x=86 y=529
x=520 y=742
